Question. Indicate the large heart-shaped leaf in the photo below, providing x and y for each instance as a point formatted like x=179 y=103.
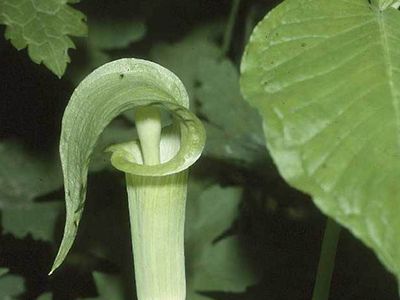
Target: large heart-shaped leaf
x=325 y=75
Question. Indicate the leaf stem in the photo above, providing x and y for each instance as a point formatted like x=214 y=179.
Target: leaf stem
x=230 y=26
x=327 y=261
x=249 y=24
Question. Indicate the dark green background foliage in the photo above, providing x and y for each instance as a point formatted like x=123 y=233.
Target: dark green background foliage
x=249 y=236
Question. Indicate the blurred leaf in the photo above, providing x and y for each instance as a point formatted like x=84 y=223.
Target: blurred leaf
x=105 y=34
x=39 y=219
x=44 y=26
x=3 y=271
x=218 y=266
x=233 y=128
x=223 y=267
x=93 y=58
x=10 y=285
x=115 y=34
x=182 y=57
x=46 y=296
x=108 y=286
x=25 y=176
x=210 y=211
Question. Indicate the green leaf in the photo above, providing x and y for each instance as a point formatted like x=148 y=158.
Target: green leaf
x=108 y=91
x=46 y=296
x=3 y=271
x=39 y=219
x=109 y=286
x=213 y=84
x=105 y=34
x=25 y=175
x=234 y=133
x=10 y=286
x=94 y=58
x=44 y=27
x=219 y=266
x=115 y=34
x=324 y=75
x=222 y=267
x=182 y=57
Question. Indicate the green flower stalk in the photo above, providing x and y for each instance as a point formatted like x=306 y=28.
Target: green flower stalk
x=155 y=165
x=157 y=211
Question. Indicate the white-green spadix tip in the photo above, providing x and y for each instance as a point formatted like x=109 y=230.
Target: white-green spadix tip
x=148 y=125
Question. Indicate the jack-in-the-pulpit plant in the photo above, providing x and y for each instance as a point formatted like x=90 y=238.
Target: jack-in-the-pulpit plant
x=155 y=165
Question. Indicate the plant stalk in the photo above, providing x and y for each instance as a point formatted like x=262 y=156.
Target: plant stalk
x=157 y=216
x=227 y=40
x=327 y=261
